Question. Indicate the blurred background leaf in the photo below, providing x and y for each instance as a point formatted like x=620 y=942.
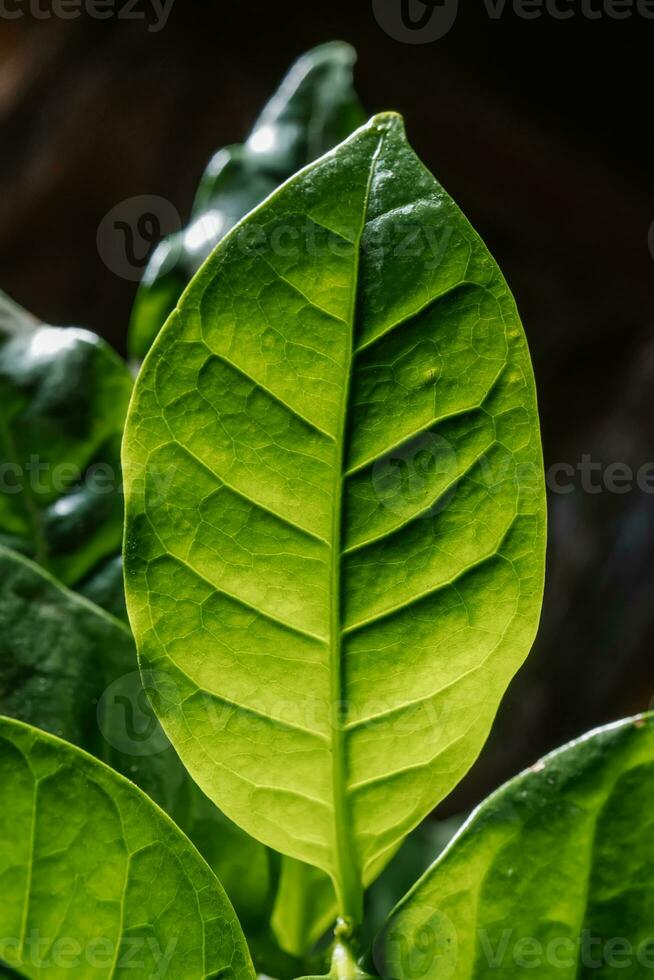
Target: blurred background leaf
x=314 y=108
x=63 y=401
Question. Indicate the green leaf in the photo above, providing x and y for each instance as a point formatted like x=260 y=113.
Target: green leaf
x=314 y=108
x=416 y=854
x=63 y=401
x=335 y=509
x=305 y=906
x=551 y=875
x=97 y=879
x=58 y=655
x=68 y=667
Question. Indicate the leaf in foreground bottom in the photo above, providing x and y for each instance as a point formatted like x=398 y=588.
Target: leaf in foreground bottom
x=95 y=879
x=550 y=877
x=69 y=668
x=335 y=509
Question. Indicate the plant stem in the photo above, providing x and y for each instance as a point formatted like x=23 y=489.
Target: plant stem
x=344 y=964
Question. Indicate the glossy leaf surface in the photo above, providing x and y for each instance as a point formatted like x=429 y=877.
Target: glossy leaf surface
x=63 y=401
x=80 y=848
x=550 y=877
x=314 y=108
x=335 y=509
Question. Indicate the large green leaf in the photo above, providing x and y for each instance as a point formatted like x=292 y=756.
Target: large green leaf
x=58 y=655
x=335 y=509
x=314 y=108
x=96 y=879
x=63 y=401
x=68 y=667
x=550 y=877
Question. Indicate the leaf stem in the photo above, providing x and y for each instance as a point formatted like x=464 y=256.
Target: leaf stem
x=344 y=963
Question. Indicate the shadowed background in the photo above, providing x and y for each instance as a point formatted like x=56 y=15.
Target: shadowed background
x=540 y=129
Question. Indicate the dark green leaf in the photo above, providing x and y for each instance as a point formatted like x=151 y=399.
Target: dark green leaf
x=105 y=587
x=416 y=854
x=314 y=109
x=551 y=877
x=63 y=400
x=96 y=879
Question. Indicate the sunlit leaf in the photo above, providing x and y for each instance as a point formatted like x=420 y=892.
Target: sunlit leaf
x=335 y=509
x=96 y=879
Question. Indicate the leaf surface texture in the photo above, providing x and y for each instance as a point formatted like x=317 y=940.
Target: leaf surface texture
x=551 y=874
x=80 y=850
x=335 y=509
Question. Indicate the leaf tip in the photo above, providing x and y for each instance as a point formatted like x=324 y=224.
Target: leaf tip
x=386 y=122
x=332 y=51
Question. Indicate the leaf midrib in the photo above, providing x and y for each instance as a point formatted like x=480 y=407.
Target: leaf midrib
x=348 y=881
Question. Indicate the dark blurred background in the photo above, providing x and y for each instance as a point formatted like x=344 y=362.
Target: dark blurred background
x=542 y=131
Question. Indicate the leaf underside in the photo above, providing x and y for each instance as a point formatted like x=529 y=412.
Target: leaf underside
x=551 y=875
x=335 y=509
x=80 y=848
